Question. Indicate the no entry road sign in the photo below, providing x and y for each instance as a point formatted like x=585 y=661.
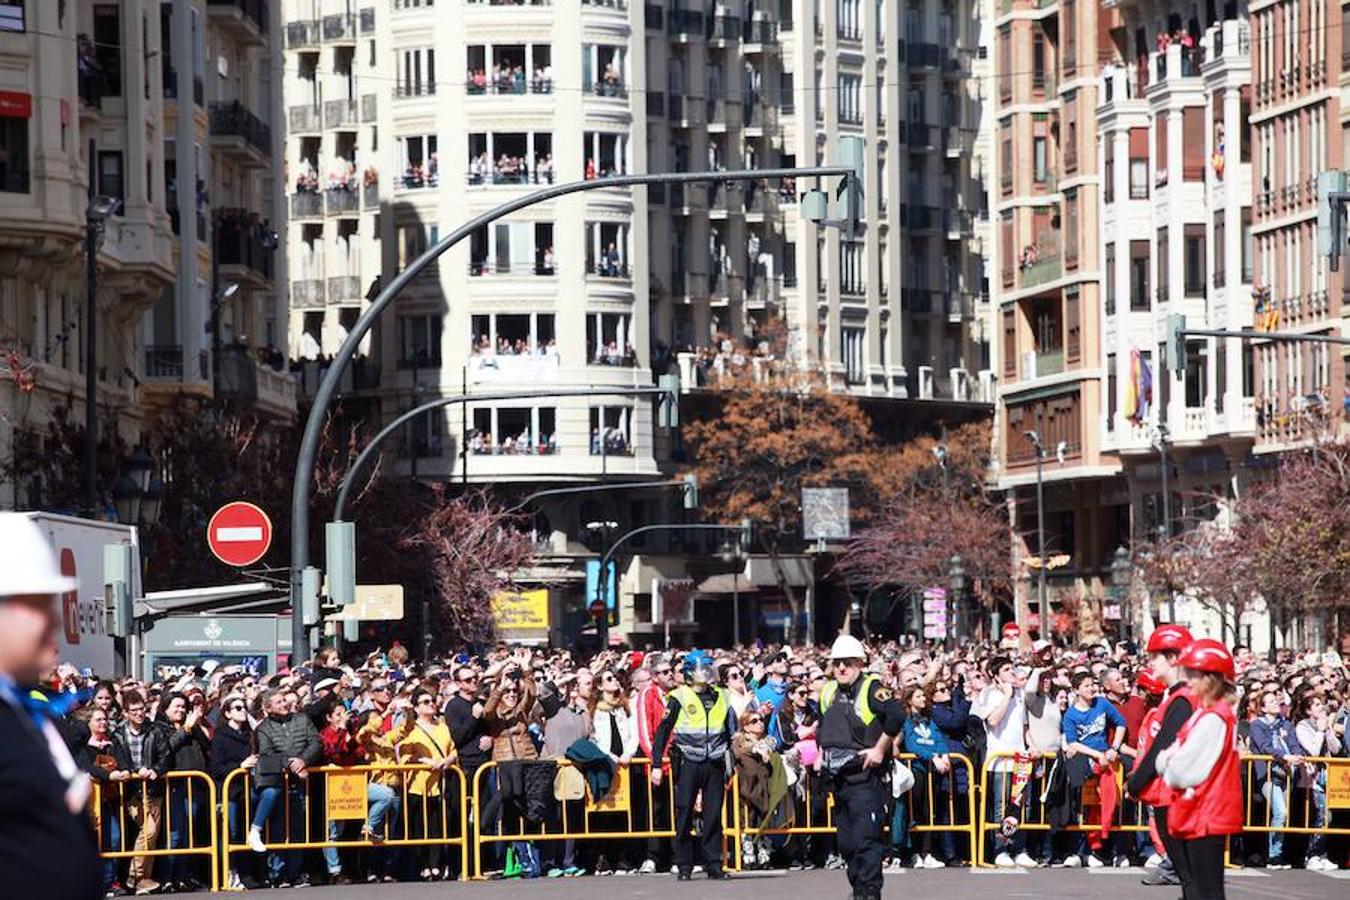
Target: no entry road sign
x=239 y=534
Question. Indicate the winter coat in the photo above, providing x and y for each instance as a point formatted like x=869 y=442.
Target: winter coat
x=229 y=748
x=281 y=739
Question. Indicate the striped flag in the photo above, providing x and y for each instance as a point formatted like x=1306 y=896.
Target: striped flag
x=1138 y=389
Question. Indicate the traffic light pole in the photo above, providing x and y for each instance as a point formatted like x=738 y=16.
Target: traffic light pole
x=307 y=458
x=602 y=622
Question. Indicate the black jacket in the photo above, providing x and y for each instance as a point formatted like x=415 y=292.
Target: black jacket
x=85 y=757
x=466 y=729
x=156 y=749
x=280 y=740
x=228 y=749
x=45 y=849
x=187 y=749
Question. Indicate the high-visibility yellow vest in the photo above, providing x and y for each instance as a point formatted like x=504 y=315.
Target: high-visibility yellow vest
x=862 y=704
x=700 y=732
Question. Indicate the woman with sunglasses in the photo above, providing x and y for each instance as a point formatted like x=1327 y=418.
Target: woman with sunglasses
x=754 y=754
x=428 y=743
x=738 y=690
x=798 y=722
x=231 y=749
x=930 y=800
x=614 y=732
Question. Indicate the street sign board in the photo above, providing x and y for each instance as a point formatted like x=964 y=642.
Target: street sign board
x=373 y=603
x=239 y=534
x=935 y=631
x=934 y=604
x=825 y=514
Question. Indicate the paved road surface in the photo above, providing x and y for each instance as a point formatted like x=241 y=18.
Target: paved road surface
x=954 y=884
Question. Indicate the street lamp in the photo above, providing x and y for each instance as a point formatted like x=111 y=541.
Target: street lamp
x=956 y=574
x=1120 y=587
x=1035 y=438
x=731 y=554
x=95 y=218
x=138 y=492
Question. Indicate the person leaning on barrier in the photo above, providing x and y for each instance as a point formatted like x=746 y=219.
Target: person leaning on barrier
x=1165 y=646
x=1203 y=769
x=47 y=848
x=699 y=717
x=858 y=720
x=287 y=745
x=147 y=743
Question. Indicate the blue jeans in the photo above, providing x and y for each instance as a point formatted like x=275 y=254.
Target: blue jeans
x=286 y=863
x=110 y=839
x=1279 y=815
x=380 y=800
x=184 y=820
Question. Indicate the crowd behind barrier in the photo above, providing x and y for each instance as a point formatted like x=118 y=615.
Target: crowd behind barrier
x=517 y=762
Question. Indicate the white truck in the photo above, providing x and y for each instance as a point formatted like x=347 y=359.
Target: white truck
x=79 y=543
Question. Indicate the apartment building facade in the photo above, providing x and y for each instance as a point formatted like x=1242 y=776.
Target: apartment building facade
x=406 y=118
x=1047 y=289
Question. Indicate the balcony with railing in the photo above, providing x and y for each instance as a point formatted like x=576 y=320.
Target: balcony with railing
x=245 y=246
x=684 y=24
x=760 y=35
x=920 y=137
x=341 y=201
x=921 y=55
x=247 y=378
x=1042 y=261
x=302 y=34
x=307 y=204
x=341 y=114
x=305 y=118
x=308 y=292
x=339 y=28
x=234 y=129
x=727 y=199
x=344 y=289
x=726 y=31
x=164 y=362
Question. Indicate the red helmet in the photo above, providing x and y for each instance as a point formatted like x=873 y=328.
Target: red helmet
x=1169 y=637
x=1150 y=683
x=1209 y=655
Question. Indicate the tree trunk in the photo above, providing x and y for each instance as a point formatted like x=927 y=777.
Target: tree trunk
x=784 y=585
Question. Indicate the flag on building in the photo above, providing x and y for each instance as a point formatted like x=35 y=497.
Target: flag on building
x=1138 y=388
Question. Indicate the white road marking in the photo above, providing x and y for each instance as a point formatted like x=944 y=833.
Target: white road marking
x=239 y=534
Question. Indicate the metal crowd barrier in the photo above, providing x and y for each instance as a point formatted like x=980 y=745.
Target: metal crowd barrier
x=1031 y=809
x=135 y=818
x=440 y=820
x=958 y=811
x=1308 y=806
x=627 y=811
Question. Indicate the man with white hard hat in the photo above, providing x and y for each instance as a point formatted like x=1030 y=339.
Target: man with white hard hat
x=858 y=720
x=46 y=846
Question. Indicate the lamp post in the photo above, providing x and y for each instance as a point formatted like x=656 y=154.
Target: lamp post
x=1165 y=529
x=956 y=574
x=731 y=553
x=137 y=496
x=96 y=215
x=1035 y=438
x=1120 y=587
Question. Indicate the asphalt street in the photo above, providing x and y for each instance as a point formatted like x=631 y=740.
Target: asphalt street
x=950 y=884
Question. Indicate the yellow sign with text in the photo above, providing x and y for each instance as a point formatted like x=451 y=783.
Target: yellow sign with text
x=1338 y=785
x=520 y=611
x=346 y=796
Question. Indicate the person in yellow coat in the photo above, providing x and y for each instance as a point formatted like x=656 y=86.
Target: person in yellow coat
x=427 y=741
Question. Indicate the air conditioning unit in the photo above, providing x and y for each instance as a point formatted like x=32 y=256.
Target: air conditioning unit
x=925 y=382
x=960 y=384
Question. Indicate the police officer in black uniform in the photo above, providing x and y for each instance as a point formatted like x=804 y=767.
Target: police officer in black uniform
x=858 y=719
x=700 y=718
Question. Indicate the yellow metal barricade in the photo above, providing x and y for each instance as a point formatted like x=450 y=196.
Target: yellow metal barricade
x=430 y=810
x=958 y=810
x=136 y=817
x=1307 y=809
x=597 y=819
x=1031 y=809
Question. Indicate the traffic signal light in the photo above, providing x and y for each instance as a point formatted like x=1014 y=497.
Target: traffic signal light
x=1176 y=343
x=691 y=491
x=746 y=536
x=119 y=562
x=668 y=401
x=1331 y=217
x=851 y=154
x=340 y=540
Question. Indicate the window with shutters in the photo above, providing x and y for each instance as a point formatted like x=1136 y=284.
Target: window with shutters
x=1138 y=163
x=1220 y=256
x=1071 y=229
x=1139 y=272
x=1244 y=135
x=1195 y=260
x=1073 y=326
x=1247 y=249
x=1160 y=150
x=1005 y=175
x=1193 y=143
x=1109 y=175
x=1111 y=388
x=1009 y=247
x=1009 y=342
x=1162 y=291
x=1005 y=64
x=1071 y=131
x=1110 y=275
x=1070 y=20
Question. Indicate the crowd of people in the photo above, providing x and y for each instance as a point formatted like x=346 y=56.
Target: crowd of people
x=1039 y=716
x=509 y=169
x=483 y=443
x=509 y=79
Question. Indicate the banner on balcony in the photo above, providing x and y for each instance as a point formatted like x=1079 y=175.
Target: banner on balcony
x=1138 y=388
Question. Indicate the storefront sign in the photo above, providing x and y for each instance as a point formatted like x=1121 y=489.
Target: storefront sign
x=16 y=105
x=520 y=611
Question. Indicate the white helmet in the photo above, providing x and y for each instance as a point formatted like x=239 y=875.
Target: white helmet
x=846 y=646
x=27 y=563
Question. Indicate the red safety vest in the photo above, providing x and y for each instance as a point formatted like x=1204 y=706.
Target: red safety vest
x=1157 y=793
x=1214 y=806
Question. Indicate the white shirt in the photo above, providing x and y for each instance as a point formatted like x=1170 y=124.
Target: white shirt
x=1009 y=734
